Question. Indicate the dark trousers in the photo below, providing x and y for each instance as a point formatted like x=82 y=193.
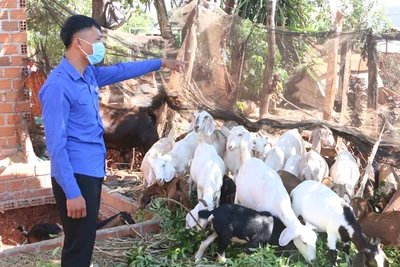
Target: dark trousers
x=79 y=234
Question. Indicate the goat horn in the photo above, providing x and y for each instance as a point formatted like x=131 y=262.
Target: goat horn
x=204 y=202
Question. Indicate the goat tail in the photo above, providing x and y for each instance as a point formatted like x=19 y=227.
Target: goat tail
x=204 y=214
x=22 y=230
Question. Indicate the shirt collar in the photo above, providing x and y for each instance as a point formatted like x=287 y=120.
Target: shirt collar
x=75 y=75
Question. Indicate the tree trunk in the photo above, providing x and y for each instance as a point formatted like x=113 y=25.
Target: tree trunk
x=270 y=62
x=162 y=17
x=237 y=57
x=332 y=71
x=98 y=8
x=25 y=141
x=229 y=6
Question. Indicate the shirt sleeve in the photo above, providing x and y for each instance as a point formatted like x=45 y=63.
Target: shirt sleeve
x=124 y=71
x=55 y=112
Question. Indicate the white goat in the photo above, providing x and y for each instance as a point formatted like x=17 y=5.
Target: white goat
x=159 y=148
x=207 y=171
x=292 y=164
x=238 y=149
x=312 y=166
x=291 y=143
x=175 y=161
x=323 y=208
x=260 y=188
x=261 y=146
x=275 y=158
x=203 y=123
x=345 y=173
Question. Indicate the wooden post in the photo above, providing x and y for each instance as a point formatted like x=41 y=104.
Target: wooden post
x=372 y=73
x=347 y=49
x=332 y=69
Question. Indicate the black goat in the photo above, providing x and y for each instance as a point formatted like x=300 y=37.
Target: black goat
x=232 y=220
x=228 y=191
x=116 y=220
x=42 y=231
x=129 y=128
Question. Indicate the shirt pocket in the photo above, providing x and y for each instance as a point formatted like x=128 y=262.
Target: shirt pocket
x=84 y=98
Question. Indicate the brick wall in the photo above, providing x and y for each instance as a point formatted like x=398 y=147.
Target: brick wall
x=13 y=52
x=25 y=185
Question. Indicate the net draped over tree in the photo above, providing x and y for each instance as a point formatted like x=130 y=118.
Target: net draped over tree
x=227 y=56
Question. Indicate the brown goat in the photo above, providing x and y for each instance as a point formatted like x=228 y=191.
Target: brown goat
x=129 y=128
x=384 y=226
x=176 y=189
x=289 y=180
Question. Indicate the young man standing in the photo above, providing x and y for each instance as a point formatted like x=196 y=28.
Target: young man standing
x=74 y=130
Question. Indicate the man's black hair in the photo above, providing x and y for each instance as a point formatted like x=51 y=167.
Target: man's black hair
x=75 y=24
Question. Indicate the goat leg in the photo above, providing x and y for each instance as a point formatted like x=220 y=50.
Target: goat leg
x=332 y=256
x=190 y=185
x=346 y=249
x=204 y=244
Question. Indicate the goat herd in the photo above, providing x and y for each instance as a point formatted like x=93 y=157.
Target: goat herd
x=281 y=192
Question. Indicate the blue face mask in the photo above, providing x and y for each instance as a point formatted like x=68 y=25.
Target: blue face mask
x=99 y=51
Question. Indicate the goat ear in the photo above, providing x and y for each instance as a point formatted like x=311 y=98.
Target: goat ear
x=191 y=126
x=190 y=222
x=209 y=127
x=169 y=172
x=313 y=133
x=151 y=177
x=247 y=139
x=287 y=235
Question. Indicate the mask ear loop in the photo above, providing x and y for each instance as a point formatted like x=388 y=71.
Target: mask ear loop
x=81 y=46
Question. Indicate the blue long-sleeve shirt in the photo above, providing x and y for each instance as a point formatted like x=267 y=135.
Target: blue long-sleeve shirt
x=72 y=124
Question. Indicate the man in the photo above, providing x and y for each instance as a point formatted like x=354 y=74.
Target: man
x=74 y=130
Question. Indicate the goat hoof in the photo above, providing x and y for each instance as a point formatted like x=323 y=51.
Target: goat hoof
x=198 y=256
x=221 y=259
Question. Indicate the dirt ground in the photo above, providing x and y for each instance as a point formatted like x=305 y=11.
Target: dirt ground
x=26 y=217
x=107 y=253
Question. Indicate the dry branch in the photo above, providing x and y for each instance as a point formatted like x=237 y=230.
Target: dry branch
x=368 y=169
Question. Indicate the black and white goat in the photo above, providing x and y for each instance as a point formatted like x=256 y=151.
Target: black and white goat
x=323 y=208
x=46 y=231
x=236 y=221
x=41 y=231
x=228 y=191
